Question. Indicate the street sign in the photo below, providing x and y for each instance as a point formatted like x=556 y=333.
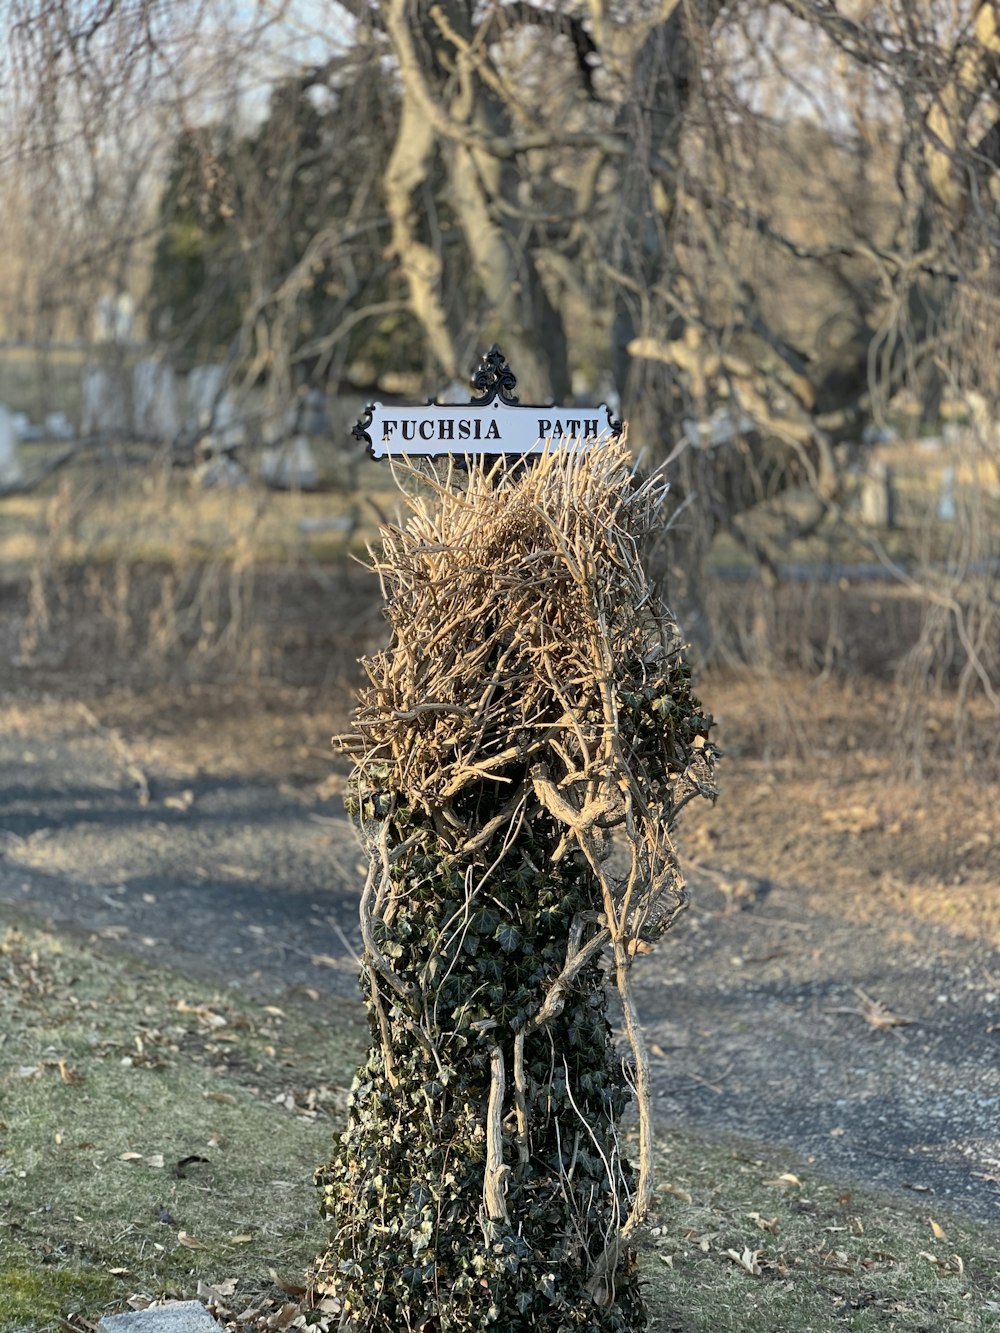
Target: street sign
x=489 y=425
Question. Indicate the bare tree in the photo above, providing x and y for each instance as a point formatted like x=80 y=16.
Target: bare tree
x=762 y=221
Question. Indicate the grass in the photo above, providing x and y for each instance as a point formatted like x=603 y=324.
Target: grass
x=38 y=382
x=103 y=510
x=112 y=1072
x=745 y=1241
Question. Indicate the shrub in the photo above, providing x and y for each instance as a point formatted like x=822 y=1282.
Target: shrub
x=521 y=753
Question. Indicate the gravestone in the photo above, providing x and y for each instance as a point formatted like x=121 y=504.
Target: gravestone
x=105 y=401
x=114 y=319
x=23 y=429
x=946 y=499
x=213 y=412
x=205 y=387
x=178 y=1317
x=878 y=497
x=290 y=466
x=154 y=399
x=10 y=463
x=58 y=426
x=313 y=416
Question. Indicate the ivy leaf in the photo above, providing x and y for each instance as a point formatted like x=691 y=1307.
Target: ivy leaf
x=507 y=936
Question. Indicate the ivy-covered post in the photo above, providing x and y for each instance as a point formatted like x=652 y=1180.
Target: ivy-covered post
x=522 y=750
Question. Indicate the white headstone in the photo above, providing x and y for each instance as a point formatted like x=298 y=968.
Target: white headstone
x=946 y=500
x=227 y=430
x=10 y=463
x=213 y=409
x=105 y=407
x=878 y=497
x=23 y=428
x=154 y=400
x=114 y=318
x=290 y=467
x=204 y=390
x=58 y=426
x=313 y=419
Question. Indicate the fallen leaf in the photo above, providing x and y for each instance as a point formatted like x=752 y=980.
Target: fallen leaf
x=226 y=1098
x=181 y=801
x=748 y=1260
x=216 y=1291
x=240 y=1240
x=937 y=1230
x=786 y=1180
x=283 y=1317
x=289 y=1288
x=207 y=1015
x=67 y=1074
x=765 y=1223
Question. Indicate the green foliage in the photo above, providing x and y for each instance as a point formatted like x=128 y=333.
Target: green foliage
x=406 y=1191
x=261 y=230
x=198 y=290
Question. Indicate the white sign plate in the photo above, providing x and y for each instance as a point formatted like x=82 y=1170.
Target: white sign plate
x=471 y=430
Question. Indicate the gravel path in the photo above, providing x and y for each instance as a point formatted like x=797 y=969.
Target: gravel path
x=763 y=1015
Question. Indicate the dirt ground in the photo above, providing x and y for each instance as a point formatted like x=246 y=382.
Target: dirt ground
x=835 y=986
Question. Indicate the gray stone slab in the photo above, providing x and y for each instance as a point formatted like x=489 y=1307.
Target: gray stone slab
x=180 y=1317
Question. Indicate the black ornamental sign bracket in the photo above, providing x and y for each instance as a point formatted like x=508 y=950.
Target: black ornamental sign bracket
x=492 y=424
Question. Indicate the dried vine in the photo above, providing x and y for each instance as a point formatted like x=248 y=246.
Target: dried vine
x=522 y=751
